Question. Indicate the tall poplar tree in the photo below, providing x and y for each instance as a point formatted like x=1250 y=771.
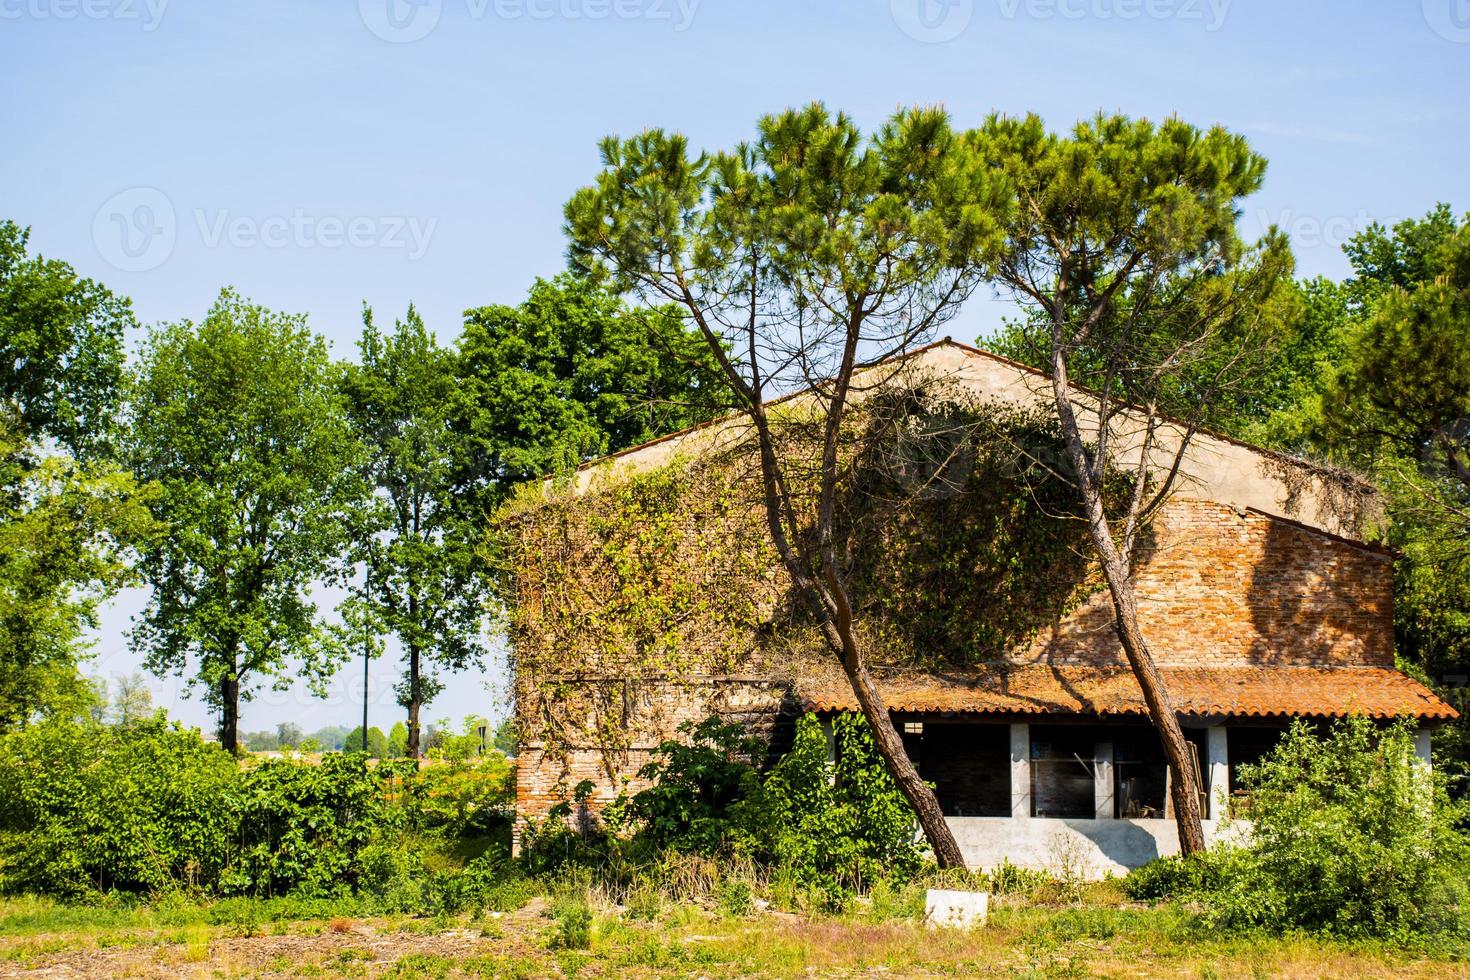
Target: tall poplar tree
x=421 y=580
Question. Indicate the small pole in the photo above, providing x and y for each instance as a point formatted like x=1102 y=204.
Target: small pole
x=366 y=651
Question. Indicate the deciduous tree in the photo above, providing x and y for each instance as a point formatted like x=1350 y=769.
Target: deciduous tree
x=239 y=421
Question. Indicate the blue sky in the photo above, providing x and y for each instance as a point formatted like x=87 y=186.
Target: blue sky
x=316 y=155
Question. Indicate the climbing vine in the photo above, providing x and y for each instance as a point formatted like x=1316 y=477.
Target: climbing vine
x=959 y=535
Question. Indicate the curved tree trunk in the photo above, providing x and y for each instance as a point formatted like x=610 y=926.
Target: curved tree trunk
x=1115 y=568
x=890 y=746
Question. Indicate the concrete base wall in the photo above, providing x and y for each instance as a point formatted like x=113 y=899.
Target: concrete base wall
x=1088 y=848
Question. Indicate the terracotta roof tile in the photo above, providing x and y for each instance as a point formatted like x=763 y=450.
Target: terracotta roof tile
x=1242 y=692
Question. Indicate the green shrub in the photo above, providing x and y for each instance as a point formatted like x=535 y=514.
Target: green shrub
x=572 y=918
x=1349 y=835
x=146 y=808
x=304 y=828
x=463 y=797
x=1173 y=877
x=839 y=830
x=703 y=791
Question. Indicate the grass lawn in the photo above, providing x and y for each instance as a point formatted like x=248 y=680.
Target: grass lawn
x=565 y=934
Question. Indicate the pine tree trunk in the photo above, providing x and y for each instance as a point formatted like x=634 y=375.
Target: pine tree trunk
x=1125 y=622
x=1185 y=778
x=890 y=746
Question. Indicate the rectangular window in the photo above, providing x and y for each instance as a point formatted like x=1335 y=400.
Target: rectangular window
x=1063 y=780
x=1246 y=745
x=969 y=765
x=1141 y=772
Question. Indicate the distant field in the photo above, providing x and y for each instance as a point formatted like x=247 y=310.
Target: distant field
x=1102 y=937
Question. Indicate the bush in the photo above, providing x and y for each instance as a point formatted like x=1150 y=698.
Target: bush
x=463 y=798
x=304 y=828
x=839 y=829
x=152 y=807
x=1173 y=877
x=1349 y=835
x=146 y=808
x=705 y=790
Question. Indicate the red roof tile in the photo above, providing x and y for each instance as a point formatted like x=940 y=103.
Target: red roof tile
x=1248 y=692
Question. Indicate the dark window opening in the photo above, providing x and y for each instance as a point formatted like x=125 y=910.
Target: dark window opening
x=1141 y=772
x=1246 y=746
x=1062 y=771
x=969 y=765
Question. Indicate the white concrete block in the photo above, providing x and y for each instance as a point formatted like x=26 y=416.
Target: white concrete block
x=943 y=907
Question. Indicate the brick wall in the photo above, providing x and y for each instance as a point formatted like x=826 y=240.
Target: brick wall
x=1216 y=586
x=1219 y=587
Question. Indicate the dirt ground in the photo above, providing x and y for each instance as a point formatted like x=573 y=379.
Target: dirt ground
x=521 y=945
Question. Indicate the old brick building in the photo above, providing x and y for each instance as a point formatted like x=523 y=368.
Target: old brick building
x=1259 y=598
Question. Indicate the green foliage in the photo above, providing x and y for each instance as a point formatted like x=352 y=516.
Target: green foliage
x=839 y=828
x=463 y=798
x=145 y=808
x=69 y=533
x=829 y=830
x=148 y=808
x=1173 y=877
x=573 y=922
x=422 y=581
x=239 y=420
x=377 y=742
x=573 y=373
x=303 y=827
x=1348 y=834
x=61 y=349
x=697 y=782
x=1012 y=558
x=398 y=740
x=507 y=737
x=1125 y=256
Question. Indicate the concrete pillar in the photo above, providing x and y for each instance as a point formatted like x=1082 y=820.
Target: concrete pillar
x=1421 y=747
x=1020 y=772
x=1217 y=768
x=1102 y=780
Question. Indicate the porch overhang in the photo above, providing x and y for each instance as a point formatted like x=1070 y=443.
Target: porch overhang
x=1215 y=692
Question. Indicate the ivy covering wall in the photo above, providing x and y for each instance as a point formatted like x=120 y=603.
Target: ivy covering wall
x=959 y=535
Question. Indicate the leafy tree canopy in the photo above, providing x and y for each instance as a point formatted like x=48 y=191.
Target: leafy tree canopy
x=239 y=420
x=573 y=373
x=61 y=348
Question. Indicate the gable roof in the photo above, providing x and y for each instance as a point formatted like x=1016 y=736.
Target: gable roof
x=1222 y=467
